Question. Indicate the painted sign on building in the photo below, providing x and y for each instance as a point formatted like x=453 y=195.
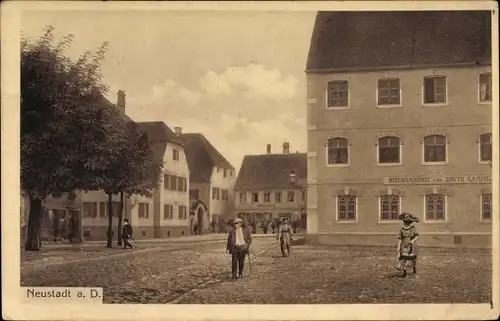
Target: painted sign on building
x=423 y=180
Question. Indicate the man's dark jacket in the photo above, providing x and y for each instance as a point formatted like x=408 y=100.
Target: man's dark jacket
x=231 y=239
x=126 y=231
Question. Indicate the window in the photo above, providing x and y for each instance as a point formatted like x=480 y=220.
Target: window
x=166 y=179
x=486 y=207
x=290 y=196
x=338 y=94
x=267 y=197
x=182 y=212
x=175 y=154
x=56 y=194
x=215 y=193
x=230 y=173
x=168 y=212
x=277 y=197
x=388 y=150
x=144 y=210
x=346 y=208
x=185 y=184
x=102 y=209
x=338 y=151
x=435 y=90
x=225 y=195
x=485 y=150
x=255 y=197
x=194 y=194
x=225 y=173
x=180 y=184
x=434 y=205
x=485 y=87
x=243 y=197
x=389 y=92
x=435 y=148
x=173 y=182
x=389 y=207
x=89 y=209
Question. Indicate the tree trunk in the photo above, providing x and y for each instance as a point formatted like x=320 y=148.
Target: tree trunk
x=110 y=221
x=33 y=241
x=120 y=219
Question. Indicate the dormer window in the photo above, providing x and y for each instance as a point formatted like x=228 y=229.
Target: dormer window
x=175 y=154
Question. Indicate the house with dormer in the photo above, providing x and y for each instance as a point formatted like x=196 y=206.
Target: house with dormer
x=211 y=181
x=272 y=186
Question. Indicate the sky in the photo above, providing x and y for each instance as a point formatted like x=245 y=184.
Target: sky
x=235 y=76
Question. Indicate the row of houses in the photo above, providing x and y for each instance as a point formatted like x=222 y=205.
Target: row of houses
x=195 y=190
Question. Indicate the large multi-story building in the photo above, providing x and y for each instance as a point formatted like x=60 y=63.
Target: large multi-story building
x=211 y=182
x=399 y=109
x=272 y=186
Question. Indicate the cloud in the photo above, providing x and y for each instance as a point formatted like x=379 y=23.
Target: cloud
x=253 y=81
x=168 y=93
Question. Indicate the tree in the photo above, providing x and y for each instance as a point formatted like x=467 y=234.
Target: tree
x=66 y=133
x=137 y=172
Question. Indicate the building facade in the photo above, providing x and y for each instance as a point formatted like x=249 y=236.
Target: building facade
x=166 y=214
x=264 y=188
x=399 y=120
x=211 y=181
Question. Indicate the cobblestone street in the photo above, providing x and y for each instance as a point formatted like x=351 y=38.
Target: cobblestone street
x=337 y=275
x=200 y=273
x=150 y=273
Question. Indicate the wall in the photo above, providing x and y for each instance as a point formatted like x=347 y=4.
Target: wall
x=281 y=207
x=175 y=226
x=462 y=119
x=220 y=207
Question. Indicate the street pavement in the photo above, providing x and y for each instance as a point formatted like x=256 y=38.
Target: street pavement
x=199 y=272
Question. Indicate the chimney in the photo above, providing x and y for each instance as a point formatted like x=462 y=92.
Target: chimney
x=268 y=149
x=120 y=102
x=178 y=131
x=286 y=148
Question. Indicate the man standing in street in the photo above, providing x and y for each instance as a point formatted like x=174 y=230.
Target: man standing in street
x=126 y=234
x=238 y=243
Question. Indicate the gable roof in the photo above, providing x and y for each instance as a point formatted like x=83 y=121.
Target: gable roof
x=271 y=171
x=159 y=134
x=202 y=156
x=348 y=40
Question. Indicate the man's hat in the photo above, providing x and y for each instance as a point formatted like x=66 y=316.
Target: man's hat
x=408 y=217
x=238 y=220
x=285 y=218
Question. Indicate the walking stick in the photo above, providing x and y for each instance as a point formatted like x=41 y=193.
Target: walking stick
x=249 y=261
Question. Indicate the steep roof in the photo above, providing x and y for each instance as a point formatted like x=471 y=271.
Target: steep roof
x=159 y=134
x=351 y=40
x=202 y=156
x=271 y=171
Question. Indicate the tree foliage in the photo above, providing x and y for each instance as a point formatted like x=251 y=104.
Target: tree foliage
x=72 y=137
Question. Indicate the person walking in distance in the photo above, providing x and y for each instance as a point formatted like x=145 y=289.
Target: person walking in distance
x=126 y=234
x=408 y=236
x=238 y=243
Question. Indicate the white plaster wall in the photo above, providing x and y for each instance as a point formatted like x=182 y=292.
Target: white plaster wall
x=175 y=198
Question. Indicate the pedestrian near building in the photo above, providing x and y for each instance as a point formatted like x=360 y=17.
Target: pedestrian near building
x=238 y=243
x=126 y=234
x=407 y=249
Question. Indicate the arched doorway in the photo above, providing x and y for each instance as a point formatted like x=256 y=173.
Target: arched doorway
x=199 y=216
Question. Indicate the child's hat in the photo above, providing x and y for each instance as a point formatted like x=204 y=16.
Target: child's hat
x=408 y=217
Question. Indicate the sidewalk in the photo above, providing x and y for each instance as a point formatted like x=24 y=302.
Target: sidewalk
x=212 y=237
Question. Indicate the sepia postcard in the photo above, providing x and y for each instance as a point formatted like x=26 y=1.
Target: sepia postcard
x=250 y=160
